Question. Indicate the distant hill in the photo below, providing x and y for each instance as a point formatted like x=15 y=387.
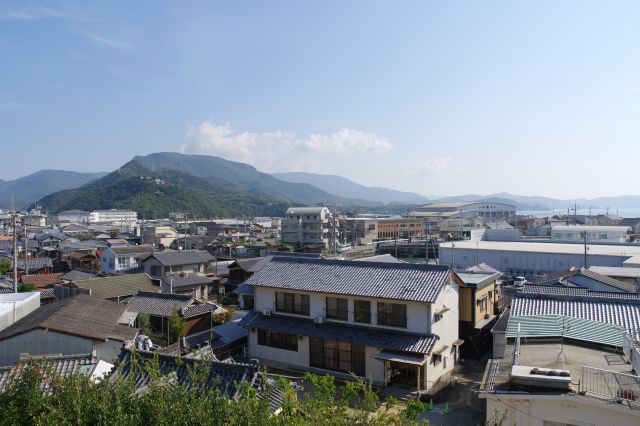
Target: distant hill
x=29 y=189
x=198 y=184
x=344 y=187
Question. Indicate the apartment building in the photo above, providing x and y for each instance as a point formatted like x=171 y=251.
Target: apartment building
x=400 y=228
x=390 y=323
x=121 y=217
x=307 y=226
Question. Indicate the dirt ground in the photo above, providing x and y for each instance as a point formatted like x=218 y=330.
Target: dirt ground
x=465 y=408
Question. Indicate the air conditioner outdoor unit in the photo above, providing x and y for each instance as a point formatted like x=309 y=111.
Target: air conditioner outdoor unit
x=319 y=319
x=266 y=312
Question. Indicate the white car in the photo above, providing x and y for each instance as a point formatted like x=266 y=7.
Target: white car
x=519 y=281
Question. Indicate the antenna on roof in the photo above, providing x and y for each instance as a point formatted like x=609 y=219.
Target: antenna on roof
x=565 y=328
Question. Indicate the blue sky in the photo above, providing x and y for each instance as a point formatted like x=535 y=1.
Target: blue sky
x=533 y=98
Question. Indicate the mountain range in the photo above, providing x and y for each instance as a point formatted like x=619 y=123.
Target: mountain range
x=31 y=188
x=159 y=183
x=344 y=187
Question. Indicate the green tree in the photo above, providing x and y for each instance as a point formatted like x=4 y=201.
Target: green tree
x=144 y=323
x=5 y=265
x=24 y=288
x=77 y=400
x=176 y=326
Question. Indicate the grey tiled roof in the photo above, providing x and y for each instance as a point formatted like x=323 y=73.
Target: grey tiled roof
x=63 y=366
x=379 y=338
x=562 y=290
x=34 y=264
x=222 y=375
x=622 y=313
x=77 y=275
x=621 y=285
x=230 y=332
x=409 y=282
x=199 y=309
x=158 y=304
x=143 y=249
x=295 y=254
x=188 y=280
x=183 y=257
x=47 y=293
x=244 y=289
x=501 y=325
x=253 y=264
x=81 y=315
x=118 y=286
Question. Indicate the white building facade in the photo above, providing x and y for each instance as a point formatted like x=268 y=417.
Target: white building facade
x=336 y=325
x=307 y=226
x=119 y=217
x=600 y=234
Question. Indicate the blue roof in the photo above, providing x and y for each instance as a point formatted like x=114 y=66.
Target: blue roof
x=400 y=281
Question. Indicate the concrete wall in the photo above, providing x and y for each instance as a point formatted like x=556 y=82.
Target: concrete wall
x=570 y=410
x=24 y=305
x=499 y=344
x=42 y=342
x=108 y=351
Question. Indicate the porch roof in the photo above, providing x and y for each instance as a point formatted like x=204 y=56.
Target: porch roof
x=403 y=358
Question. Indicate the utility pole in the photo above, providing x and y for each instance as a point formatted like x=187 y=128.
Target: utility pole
x=26 y=251
x=15 y=255
x=584 y=235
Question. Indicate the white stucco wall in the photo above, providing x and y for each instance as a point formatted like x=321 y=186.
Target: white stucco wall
x=418 y=314
x=299 y=359
x=573 y=410
x=14 y=307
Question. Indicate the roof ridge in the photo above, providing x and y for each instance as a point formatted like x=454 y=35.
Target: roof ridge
x=360 y=264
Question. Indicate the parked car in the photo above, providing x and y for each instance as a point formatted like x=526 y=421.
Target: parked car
x=519 y=281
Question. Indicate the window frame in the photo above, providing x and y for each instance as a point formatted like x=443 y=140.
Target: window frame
x=337 y=308
x=392 y=318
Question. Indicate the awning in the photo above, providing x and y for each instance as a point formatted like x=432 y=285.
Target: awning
x=399 y=357
x=441 y=350
x=458 y=342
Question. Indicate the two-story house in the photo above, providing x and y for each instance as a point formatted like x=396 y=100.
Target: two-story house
x=477 y=308
x=387 y=322
x=116 y=260
x=182 y=272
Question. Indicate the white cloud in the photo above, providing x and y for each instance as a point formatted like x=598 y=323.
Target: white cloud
x=435 y=166
x=110 y=42
x=284 y=151
x=33 y=12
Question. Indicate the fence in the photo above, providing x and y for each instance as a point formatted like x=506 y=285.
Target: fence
x=610 y=385
x=631 y=350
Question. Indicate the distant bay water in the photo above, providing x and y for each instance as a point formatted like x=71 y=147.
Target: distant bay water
x=622 y=212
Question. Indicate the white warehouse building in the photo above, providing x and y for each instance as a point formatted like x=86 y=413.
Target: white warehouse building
x=536 y=257
x=577 y=233
x=483 y=209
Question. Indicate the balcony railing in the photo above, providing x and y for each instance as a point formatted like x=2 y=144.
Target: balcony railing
x=610 y=385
